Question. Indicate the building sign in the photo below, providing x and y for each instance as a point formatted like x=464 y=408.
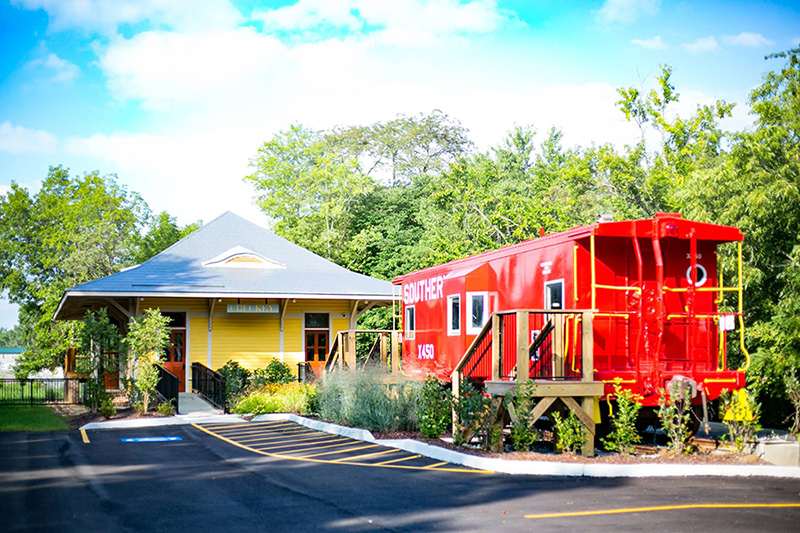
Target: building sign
x=252 y=308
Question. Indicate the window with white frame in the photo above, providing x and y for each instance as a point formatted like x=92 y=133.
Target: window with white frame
x=454 y=314
x=477 y=311
x=410 y=322
x=554 y=294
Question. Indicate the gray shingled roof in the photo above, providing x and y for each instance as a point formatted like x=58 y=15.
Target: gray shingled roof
x=179 y=270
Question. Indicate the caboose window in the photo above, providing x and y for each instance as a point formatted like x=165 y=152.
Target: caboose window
x=453 y=314
x=554 y=294
x=410 y=322
x=477 y=311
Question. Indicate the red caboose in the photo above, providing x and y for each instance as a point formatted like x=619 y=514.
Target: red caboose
x=653 y=286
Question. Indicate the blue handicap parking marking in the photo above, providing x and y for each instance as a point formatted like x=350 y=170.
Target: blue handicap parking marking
x=153 y=439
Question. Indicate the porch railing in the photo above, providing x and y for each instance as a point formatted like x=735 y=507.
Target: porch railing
x=40 y=391
x=210 y=385
x=168 y=386
x=383 y=349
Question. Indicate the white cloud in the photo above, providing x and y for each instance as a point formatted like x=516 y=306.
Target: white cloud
x=64 y=71
x=105 y=16
x=626 y=11
x=399 y=22
x=705 y=44
x=18 y=139
x=747 y=39
x=654 y=44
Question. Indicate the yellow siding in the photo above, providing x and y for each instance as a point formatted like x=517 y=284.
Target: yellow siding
x=251 y=339
x=193 y=305
x=198 y=340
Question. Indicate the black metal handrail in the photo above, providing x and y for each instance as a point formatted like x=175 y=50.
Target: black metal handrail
x=40 y=391
x=167 y=387
x=210 y=385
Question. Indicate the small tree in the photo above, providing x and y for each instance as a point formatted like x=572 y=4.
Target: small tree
x=623 y=435
x=434 y=409
x=98 y=339
x=147 y=337
x=742 y=412
x=674 y=412
x=523 y=431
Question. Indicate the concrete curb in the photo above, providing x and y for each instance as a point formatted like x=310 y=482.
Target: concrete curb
x=500 y=466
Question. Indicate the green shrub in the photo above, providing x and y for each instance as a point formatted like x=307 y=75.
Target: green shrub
x=741 y=418
x=166 y=408
x=675 y=415
x=107 y=407
x=523 y=432
x=278 y=398
x=623 y=434
x=275 y=372
x=363 y=399
x=433 y=412
x=570 y=434
x=473 y=410
x=237 y=380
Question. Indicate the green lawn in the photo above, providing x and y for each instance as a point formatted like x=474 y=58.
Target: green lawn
x=30 y=418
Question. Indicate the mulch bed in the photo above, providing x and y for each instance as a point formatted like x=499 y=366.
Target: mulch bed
x=645 y=454
x=78 y=415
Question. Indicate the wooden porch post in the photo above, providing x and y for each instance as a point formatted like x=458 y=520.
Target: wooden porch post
x=395 y=351
x=523 y=361
x=351 y=349
x=497 y=346
x=587 y=365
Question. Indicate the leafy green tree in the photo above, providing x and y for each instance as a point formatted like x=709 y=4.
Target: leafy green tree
x=163 y=233
x=11 y=337
x=148 y=336
x=757 y=188
x=100 y=340
x=71 y=231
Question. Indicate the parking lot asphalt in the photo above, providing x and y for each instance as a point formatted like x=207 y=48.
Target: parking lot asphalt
x=180 y=478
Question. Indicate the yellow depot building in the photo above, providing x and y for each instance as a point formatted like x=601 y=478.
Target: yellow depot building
x=235 y=291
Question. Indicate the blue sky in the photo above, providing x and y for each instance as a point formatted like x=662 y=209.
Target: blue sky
x=176 y=97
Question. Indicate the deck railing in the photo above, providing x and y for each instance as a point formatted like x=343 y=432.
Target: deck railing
x=209 y=384
x=168 y=386
x=378 y=346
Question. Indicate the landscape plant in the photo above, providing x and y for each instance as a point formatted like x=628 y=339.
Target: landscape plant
x=570 y=435
x=473 y=409
x=148 y=336
x=523 y=432
x=275 y=372
x=278 y=398
x=107 y=407
x=98 y=339
x=741 y=416
x=365 y=399
x=166 y=408
x=623 y=434
x=674 y=412
x=792 y=385
x=434 y=411
x=237 y=381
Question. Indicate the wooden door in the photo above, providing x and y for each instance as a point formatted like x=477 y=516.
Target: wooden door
x=175 y=356
x=316 y=349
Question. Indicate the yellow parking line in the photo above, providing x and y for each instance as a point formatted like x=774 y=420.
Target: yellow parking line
x=84 y=436
x=310 y=438
x=665 y=508
x=256 y=431
x=384 y=452
x=323 y=461
x=434 y=465
x=300 y=445
x=340 y=451
x=272 y=436
x=313 y=447
x=249 y=424
x=397 y=460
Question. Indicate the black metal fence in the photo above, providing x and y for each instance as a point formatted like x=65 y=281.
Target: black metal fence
x=210 y=385
x=168 y=386
x=40 y=391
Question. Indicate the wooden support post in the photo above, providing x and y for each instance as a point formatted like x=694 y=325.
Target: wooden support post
x=497 y=346
x=383 y=350
x=498 y=422
x=587 y=403
x=558 y=345
x=523 y=360
x=587 y=346
x=396 y=352
x=541 y=407
x=455 y=379
x=586 y=419
x=351 y=349
x=342 y=350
